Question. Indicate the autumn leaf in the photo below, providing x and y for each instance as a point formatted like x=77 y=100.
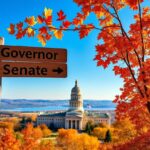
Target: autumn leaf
x=127 y=50
x=47 y=12
x=19 y=26
x=41 y=39
x=43 y=30
x=133 y=3
x=30 y=21
x=77 y=21
x=30 y=32
x=40 y=20
x=19 y=35
x=61 y=15
x=85 y=29
x=66 y=24
x=48 y=20
x=99 y=11
x=11 y=29
x=48 y=36
x=58 y=34
x=79 y=15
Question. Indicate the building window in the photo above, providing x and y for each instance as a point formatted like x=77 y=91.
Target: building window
x=77 y=124
x=69 y=123
x=73 y=124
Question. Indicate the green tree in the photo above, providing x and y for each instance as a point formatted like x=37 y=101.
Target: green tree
x=89 y=127
x=108 y=136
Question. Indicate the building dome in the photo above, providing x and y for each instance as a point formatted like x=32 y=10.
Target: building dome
x=75 y=93
x=75 y=89
x=76 y=102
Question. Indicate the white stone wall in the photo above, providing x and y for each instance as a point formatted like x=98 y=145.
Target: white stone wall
x=58 y=122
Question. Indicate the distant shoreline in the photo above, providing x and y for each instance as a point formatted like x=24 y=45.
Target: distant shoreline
x=52 y=105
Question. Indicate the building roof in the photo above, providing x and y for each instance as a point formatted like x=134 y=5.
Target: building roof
x=100 y=115
x=75 y=113
x=61 y=114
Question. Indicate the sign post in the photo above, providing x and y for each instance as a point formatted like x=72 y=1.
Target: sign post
x=25 y=69
x=23 y=61
x=1 y=43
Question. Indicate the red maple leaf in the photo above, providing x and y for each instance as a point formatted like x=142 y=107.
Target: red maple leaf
x=61 y=15
x=11 y=29
x=19 y=35
x=48 y=20
x=43 y=30
x=66 y=24
x=19 y=26
x=48 y=36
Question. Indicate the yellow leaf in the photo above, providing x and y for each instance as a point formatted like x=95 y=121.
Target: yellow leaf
x=58 y=34
x=41 y=39
x=47 y=12
x=30 y=32
x=99 y=14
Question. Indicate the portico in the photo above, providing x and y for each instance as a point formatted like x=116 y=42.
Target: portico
x=73 y=123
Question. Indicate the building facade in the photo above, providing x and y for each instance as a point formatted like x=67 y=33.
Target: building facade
x=75 y=117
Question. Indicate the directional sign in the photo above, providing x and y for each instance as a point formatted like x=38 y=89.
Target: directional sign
x=36 y=54
x=25 y=69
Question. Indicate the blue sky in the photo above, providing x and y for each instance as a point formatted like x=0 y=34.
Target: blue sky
x=95 y=82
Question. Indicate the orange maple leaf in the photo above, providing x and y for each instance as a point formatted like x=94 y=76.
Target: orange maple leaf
x=77 y=21
x=40 y=19
x=58 y=34
x=30 y=21
x=41 y=39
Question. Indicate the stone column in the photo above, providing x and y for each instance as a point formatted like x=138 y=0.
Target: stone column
x=80 y=125
x=66 y=124
x=75 y=124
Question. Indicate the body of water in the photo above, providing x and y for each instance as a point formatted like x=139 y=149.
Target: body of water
x=27 y=106
x=51 y=108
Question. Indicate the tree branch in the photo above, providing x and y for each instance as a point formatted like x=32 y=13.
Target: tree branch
x=124 y=33
x=141 y=31
x=127 y=61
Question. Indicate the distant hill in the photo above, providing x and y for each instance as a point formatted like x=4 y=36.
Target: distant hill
x=24 y=103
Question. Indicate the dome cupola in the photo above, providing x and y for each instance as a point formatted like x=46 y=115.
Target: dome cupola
x=75 y=92
x=76 y=102
x=75 y=89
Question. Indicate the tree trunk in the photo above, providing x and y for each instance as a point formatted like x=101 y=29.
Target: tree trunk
x=148 y=106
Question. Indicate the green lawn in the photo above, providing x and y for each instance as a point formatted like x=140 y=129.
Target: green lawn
x=51 y=137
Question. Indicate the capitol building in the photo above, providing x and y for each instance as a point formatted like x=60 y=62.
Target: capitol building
x=75 y=117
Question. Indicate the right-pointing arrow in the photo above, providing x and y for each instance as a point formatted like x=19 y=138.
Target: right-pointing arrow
x=58 y=70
